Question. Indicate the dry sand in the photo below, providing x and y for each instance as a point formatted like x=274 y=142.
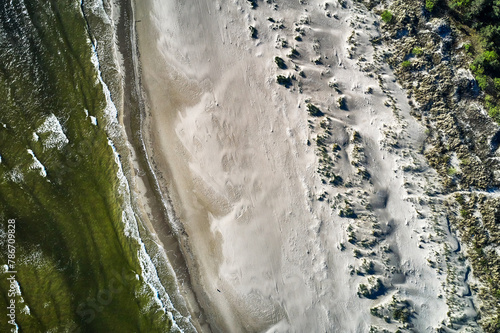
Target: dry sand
x=235 y=153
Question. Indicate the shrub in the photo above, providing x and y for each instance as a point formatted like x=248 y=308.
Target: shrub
x=490 y=56
x=482 y=81
x=372 y=291
x=314 y=110
x=406 y=64
x=417 y=51
x=253 y=32
x=284 y=80
x=342 y=103
x=488 y=61
x=494 y=112
x=430 y=4
x=387 y=16
x=460 y=3
x=293 y=53
x=348 y=212
x=497 y=83
x=252 y=3
x=374 y=312
x=280 y=62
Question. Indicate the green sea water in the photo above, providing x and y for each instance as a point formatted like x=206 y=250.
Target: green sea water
x=77 y=268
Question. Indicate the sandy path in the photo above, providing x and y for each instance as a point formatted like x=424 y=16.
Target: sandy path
x=230 y=147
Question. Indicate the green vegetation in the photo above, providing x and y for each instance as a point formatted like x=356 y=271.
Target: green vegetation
x=399 y=310
x=77 y=269
x=484 y=17
x=253 y=32
x=342 y=103
x=314 y=110
x=348 y=212
x=253 y=3
x=452 y=171
x=406 y=64
x=374 y=289
x=284 y=80
x=478 y=222
x=430 y=4
x=387 y=16
x=417 y=51
x=280 y=62
x=293 y=53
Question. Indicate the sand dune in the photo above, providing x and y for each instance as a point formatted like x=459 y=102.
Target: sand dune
x=268 y=239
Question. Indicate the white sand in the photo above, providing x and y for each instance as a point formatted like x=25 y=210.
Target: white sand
x=230 y=147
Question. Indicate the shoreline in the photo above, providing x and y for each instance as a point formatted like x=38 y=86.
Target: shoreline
x=149 y=201
x=212 y=321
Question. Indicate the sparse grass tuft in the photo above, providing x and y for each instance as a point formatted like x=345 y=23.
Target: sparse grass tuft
x=387 y=16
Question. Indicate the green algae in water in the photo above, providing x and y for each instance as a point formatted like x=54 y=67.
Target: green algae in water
x=77 y=271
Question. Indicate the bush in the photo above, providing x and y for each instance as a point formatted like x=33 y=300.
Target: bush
x=386 y=16
x=488 y=61
x=284 y=80
x=417 y=51
x=253 y=3
x=293 y=53
x=430 y=4
x=253 y=32
x=314 y=110
x=497 y=83
x=280 y=62
x=494 y=112
x=490 y=56
x=348 y=212
x=373 y=290
x=342 y=103
x=482 y=81
x=460 y=3
x=406 y=64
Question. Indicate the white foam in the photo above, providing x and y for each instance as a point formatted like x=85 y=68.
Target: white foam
x=148 y=270
x=26 y=310
x=37 y=164
x=57 y=138
x=93 y=120
x=15 y=175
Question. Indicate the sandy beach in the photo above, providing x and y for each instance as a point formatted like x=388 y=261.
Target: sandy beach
x=268 y=240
